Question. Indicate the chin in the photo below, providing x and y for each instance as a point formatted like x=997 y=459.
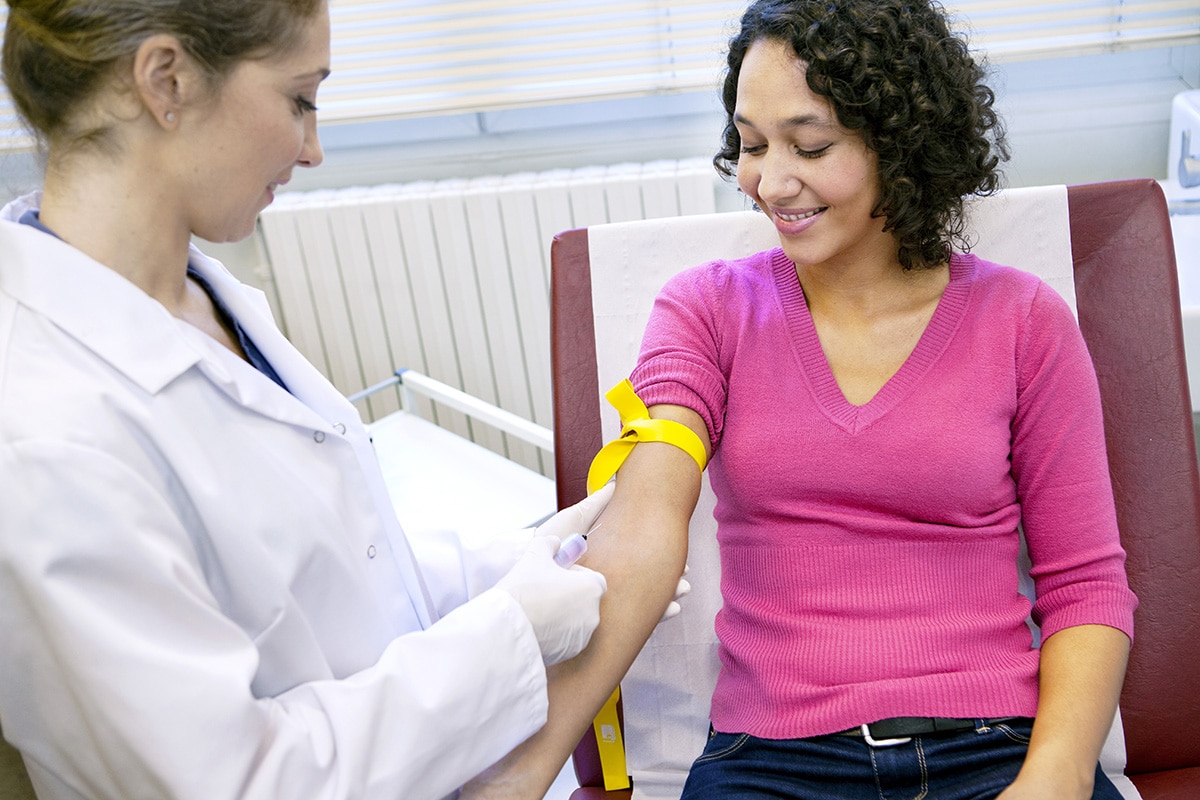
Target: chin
x=228 y=232
x=803 y=256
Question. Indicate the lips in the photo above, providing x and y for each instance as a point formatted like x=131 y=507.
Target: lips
x=799 y=217
x=794 y=223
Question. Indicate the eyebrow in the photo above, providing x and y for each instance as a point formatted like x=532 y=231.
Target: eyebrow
x=799 y=121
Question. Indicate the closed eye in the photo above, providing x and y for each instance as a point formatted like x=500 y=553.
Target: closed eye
x=820 y=151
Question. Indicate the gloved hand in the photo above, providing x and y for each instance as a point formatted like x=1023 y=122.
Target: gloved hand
x=563 y=605
x=580 y=517
x=681 y=589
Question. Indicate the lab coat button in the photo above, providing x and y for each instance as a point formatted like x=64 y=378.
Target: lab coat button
x=371 y=551
x=318 y=436
x=340 y=428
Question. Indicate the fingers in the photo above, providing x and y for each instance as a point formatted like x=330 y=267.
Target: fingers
x=673 y=608
x=563 y=605
x=580 y=517
x=592 y=506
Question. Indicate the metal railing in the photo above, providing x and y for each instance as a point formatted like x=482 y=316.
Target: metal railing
x=410 y=382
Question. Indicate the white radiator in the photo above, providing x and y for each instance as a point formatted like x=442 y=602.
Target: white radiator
x=451 y=278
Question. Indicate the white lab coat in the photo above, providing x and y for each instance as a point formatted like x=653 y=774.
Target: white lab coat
x=204 y=592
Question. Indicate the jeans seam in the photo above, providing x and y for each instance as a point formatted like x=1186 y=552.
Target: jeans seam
x=875 y=770
x=924 y=769
x=729 y=749
x=1011 y=734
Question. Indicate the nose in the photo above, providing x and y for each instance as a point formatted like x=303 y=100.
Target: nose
x=778 y=177
x=311 y=154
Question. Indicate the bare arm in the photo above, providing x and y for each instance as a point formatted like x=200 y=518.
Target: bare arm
x=1082 y=669
x=640 y=547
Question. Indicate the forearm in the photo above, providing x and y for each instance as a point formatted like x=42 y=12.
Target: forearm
x=640 y=545
x=1081 y=673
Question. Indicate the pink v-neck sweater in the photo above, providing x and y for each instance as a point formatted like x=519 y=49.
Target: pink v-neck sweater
x=869 y=553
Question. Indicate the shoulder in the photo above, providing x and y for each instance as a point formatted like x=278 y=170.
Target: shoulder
x=727 y=279
x=1020 y=313
x=1013 y=292
x=1000 y=279
x=53 y=387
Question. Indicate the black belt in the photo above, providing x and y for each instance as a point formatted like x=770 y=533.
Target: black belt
x=888 y=731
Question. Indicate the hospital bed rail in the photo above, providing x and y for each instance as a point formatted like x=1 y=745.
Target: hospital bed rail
x=411 y=382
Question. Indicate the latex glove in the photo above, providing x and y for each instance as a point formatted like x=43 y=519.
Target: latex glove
x=580 y=517
x=681 y=589
x=563 y=605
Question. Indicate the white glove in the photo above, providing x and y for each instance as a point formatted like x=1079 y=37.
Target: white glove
x=563 y=605
x=580 y=517
x=681 y=589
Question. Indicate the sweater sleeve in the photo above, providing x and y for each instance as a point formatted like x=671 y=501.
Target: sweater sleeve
x=1060 y=465
x=680 y=359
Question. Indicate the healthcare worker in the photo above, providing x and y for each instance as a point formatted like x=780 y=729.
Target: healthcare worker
x=204 y=591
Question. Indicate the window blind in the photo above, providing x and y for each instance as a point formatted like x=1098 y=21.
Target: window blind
x=1021 y=29
x=409 y=58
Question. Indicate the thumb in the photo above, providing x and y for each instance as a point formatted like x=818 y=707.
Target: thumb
x=543 y=541
x=580 y=517
x=594 y=504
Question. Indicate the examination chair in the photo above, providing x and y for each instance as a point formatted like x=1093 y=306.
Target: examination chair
x=1126 y=295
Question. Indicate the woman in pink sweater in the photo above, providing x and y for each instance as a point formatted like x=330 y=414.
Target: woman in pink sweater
x=881 y=411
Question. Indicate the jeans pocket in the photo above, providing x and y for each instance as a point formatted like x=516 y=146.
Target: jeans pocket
x=1016 y=731
x=722 y=745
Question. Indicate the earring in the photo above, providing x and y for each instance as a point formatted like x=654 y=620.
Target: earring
x=170 y=116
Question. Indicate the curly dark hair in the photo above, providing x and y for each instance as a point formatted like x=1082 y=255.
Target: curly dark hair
x=895 y=74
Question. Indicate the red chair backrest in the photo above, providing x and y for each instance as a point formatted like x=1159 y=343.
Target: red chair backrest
x=1128 y=299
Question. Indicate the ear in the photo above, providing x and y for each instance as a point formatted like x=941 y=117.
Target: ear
x=165 y=78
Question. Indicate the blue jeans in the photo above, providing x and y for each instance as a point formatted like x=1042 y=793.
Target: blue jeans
x=969 y=765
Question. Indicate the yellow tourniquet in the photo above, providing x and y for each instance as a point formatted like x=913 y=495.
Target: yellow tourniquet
x=611 y=745
x=638 y=427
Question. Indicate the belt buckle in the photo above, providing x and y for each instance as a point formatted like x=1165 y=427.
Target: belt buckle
x=871 y=740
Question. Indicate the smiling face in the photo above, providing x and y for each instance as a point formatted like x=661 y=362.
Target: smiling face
x=816 y=180
x=260 y=126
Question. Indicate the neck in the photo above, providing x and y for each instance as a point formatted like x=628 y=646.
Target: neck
x=869 y=286
x=105 y=207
